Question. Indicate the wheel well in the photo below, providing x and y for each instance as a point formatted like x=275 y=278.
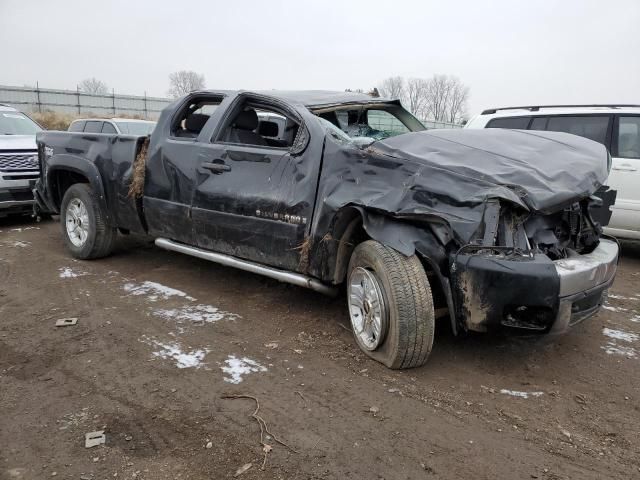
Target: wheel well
x=440 y=303
x=61 y=181
x=348 y=231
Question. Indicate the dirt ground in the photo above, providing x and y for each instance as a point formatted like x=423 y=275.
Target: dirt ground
x=162 y=337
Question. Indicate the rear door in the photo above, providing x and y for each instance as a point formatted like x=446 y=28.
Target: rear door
x=625 y=172
x=254 y=196
x=172 y=170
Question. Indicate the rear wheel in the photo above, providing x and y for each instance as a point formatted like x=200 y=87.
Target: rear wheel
x=83 y=224
x=390 y=306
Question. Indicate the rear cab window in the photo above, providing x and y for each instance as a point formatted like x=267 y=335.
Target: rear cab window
x=193 y=116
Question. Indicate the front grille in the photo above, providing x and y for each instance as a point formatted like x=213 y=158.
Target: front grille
x=18 y=162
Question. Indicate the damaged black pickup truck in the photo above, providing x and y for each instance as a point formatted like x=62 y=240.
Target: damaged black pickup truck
x=487 y=228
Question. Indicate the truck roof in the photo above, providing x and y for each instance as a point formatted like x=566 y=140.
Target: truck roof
x=312 y=98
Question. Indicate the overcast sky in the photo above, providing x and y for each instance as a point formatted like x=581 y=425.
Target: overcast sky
x=507 y=52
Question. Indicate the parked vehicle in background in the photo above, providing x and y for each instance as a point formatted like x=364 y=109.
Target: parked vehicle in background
x=615 y=126
x=485 y=229
x=19 y=168
x=120 y=126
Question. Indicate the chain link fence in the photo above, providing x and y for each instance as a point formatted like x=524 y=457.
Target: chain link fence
x=75 y=102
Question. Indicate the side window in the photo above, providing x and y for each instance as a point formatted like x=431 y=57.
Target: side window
x=385 y=122
x=108 y=128
x=193 y=117
x=519 y=123
x=628 y=138
x=259 y=124
x=538 y=123
x=77 y=126
x=93 y=127
x=593 y=127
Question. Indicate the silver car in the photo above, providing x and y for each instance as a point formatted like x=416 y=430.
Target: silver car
x=19 y=168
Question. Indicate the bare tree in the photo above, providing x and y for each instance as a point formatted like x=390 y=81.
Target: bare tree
x=446 y=98
x=416 y=96
x=458 y=101
x=392 y=87
x=183 y=82
x=93 y=86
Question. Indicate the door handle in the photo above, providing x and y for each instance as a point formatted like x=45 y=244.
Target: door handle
x=216 y=167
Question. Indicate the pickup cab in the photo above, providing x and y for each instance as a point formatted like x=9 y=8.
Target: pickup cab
x=488 y=229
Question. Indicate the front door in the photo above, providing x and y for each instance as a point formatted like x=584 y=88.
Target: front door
x=255 y=192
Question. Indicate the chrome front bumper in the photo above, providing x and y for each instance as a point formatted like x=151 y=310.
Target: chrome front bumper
x=584 y=280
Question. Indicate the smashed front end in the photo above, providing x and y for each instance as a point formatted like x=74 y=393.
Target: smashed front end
x=508 y=221
x=534 y=272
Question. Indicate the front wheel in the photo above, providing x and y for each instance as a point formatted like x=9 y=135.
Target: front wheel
x=84 y=229
x=390 y=306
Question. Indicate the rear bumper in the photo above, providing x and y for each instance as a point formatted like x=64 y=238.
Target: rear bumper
x=531 y=293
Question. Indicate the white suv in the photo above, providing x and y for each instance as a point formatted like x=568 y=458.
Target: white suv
x=19 y=168
x=615 y=126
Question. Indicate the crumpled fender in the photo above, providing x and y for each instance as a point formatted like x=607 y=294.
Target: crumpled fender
x=408 y=239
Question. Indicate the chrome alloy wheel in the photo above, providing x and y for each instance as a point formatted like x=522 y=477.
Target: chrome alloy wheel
x=77 y=222
x=367 y=308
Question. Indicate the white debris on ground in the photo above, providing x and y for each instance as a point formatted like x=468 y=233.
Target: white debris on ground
x=235 y=368
x=195 y=314
x=153 y=291
x=68 y=272
x=174 y=351
x=516 y=393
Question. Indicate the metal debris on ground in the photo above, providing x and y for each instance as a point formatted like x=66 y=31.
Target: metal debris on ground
x=93 y=439
x=65 y=322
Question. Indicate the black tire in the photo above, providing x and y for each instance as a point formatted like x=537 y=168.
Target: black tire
x=101 y=237
x=406 y=292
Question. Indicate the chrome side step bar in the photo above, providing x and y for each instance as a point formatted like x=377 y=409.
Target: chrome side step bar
x=229 y=261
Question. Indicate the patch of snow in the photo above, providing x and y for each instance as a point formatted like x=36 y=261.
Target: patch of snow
x=235 y=368
x=174 y=351
x=620 y=335
x=20 y=229
x=614 y=309
x=67 y=272
x=620 y=297
x=153 y=291
x=515 y=393
x=614 y=349
x=635 y=319
x=20 y=244
x=195 y=313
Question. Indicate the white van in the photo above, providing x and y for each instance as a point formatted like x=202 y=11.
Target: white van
x=615 y=126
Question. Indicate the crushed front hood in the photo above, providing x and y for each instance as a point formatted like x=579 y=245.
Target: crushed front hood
x=542 y=171
x=452 y=175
